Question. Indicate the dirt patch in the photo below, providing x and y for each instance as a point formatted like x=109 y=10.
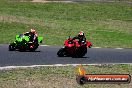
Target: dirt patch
x=75 y=1
x=46 y=1
x=38 y=1
x=21 y=20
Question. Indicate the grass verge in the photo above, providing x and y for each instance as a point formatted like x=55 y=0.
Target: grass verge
x=59 y=77
x=105 y=24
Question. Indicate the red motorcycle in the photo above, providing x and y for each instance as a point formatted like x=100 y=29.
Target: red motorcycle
x=73 y=48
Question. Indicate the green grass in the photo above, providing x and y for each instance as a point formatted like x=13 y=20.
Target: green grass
x=59 y=77
x=105 y=24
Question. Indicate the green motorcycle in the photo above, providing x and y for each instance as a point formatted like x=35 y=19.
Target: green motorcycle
x=23 y=43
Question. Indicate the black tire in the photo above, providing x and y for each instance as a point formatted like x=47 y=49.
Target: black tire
x=11 y=47
x=32 y=50
x=61 y=52
x=35 y=47
x=84 y=52
x=81 y=52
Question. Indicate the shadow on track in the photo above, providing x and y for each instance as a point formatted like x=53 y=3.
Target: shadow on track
x=25 y=51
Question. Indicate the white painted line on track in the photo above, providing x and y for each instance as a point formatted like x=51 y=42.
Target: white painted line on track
x=96 y=47
x=118 y=48
x=32 y=66
x=57 y=65
x=44 y=45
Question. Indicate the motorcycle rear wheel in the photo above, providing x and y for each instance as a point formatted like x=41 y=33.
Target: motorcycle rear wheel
x=11 y=47
x=22 y=49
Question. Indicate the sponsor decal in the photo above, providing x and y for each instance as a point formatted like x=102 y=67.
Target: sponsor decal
x=83 y=78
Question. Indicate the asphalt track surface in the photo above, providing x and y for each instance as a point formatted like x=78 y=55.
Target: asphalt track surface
x=46 y=55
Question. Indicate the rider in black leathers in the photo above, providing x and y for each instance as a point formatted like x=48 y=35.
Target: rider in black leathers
x=33 y=35
x=81 y=37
